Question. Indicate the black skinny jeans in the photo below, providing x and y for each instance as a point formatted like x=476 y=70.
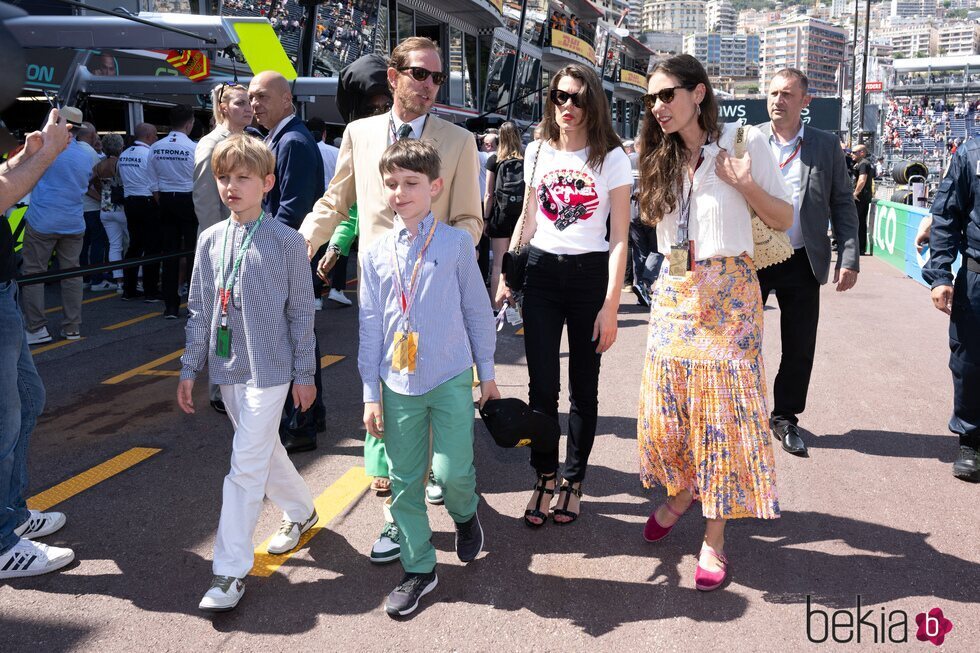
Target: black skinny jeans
x=559 y=290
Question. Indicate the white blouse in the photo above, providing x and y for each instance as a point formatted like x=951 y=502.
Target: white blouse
x=721 y=222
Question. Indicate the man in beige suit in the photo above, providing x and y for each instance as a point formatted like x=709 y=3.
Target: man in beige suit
x=415 y=74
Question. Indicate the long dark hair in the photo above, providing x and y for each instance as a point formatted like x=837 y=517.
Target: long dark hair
x=602 y=138
x=662 y=156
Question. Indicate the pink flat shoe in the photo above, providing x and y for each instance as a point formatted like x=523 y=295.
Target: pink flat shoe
x=654 y=531
x=707 y=581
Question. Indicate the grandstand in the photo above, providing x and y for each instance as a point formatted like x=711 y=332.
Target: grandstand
x=346 y=29
x=933 y=105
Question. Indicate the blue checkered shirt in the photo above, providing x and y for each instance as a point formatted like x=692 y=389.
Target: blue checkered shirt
x=452 y=312
x=270 y=315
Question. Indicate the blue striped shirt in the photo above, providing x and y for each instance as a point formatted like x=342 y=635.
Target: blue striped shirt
x=271 y=312
x=451 y=313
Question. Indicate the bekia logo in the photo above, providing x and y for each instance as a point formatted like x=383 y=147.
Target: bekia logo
x=933 y=626
x=878 y=626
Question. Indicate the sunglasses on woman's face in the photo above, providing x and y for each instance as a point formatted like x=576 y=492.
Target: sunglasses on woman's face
x=559 y=97
x=665 y=95
x=420 y=74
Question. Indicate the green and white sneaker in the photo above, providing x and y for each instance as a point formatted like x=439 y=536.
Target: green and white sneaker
x=224 y=594
x=387 y=547
x=288 y=536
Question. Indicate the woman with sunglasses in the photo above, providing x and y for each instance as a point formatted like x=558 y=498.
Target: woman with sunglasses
x=232 y=114
x=703 y=424
x=581 y=177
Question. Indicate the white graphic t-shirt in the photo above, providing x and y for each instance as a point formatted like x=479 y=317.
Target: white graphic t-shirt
x=573 y=198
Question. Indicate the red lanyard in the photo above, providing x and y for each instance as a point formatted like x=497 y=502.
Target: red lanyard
x=405 y=302
x=799 y=146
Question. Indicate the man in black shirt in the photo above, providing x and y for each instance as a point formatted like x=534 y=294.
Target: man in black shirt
x=21 y=388
x=864 y=174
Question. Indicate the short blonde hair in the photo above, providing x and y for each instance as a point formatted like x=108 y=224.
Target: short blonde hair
x=412 y=155
x=243 y=152
x=219 y=94
x=399 y=56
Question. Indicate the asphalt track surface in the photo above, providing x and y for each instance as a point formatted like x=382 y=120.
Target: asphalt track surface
x=874 y=511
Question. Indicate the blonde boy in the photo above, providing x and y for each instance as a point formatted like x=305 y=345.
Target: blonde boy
x=251 y=320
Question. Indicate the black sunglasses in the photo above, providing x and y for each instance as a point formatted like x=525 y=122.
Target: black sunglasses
x=666 y=96
x=559 y=98
x=421 y=74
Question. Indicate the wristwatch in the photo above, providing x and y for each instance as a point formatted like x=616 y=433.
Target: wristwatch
x=334 y=248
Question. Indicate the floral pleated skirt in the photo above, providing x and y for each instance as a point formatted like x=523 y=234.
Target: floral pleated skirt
x=703 y=418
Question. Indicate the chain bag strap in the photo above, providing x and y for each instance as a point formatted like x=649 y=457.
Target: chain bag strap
x=515 y=260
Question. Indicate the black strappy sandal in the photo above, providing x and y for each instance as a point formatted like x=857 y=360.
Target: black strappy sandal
x=569 y=489
x=536 y=512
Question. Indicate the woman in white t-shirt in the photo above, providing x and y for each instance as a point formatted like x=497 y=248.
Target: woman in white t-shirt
x=703 y=424
x=576 y=221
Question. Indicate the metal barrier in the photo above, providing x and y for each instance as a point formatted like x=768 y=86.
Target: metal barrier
x=44 y=277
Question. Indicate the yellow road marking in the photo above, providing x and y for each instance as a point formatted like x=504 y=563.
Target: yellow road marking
x=87 y=301
x=160 y=373
x=135 y=320
x=53 y=345
x=331 y=503
x=519 y=332
x=329 y=359
x=89 y=478
x=143 y=368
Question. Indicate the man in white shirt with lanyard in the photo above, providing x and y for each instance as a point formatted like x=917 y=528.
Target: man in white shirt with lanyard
x=171 y=171
x=812 y=163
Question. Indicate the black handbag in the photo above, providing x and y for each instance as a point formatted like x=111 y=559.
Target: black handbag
x=514 y=264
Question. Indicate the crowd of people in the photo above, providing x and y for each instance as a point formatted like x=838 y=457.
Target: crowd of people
x=930 y=127
x=344 y=29
x=562 y=213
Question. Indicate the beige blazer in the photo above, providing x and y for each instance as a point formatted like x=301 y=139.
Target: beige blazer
x=364 y=142
x=207 y=202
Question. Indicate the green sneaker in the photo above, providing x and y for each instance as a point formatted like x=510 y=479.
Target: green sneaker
x=387 y=548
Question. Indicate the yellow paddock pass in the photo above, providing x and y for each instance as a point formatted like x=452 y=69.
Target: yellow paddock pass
x=406 y=352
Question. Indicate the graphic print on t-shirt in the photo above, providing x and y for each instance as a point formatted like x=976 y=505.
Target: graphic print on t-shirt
x=567 y=196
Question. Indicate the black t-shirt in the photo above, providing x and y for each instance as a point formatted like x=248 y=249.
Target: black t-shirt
x=864 y=167
x=491 y=164
x=8 y=260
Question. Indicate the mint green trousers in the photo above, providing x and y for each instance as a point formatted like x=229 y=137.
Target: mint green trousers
x=448 y=410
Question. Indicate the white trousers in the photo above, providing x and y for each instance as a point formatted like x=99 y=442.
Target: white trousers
x=117 y=231
x=259 y=468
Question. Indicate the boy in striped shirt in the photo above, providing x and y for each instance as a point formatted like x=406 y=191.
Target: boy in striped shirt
x=425 y=319
x=250 y=318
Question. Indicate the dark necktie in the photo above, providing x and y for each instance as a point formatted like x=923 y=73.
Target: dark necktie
x=405 y=131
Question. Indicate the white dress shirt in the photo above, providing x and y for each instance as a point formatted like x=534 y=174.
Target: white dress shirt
x=278 y=128
x=788 y=155
x=329 y=155
x=721 y=222
x=396 y=123
x=133 y=170
x=171 y=164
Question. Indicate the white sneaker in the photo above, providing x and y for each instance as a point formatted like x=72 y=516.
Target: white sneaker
x=318 y=303
x=103 y=285
x=39 y=336
x=288 y=536
x=224 y=595
x=28 y=558
x=433 y=492
x=339 y=297
x=387 y=548
x=40 y=524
